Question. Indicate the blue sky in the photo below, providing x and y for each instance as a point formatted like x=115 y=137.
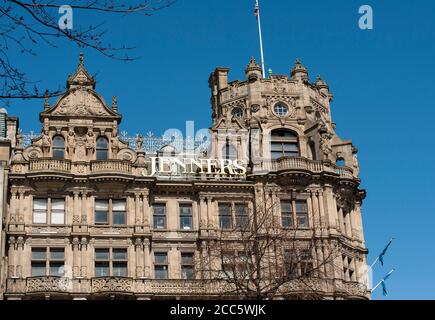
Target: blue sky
x=382 y=80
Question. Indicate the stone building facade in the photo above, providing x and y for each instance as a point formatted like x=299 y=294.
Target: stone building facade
x=86 y=220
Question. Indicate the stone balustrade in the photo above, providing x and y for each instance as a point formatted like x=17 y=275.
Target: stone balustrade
x=120 y=166
x=298 y=163
x=50 y=165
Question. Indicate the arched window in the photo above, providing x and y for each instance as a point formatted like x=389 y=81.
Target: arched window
x=102 y=148
x=58 y=147
x=229 y=152
x=284 y=143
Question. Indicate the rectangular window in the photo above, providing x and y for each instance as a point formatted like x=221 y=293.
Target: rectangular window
x=48 y=262
x=307 y=266
x=160 y=265
x=286 y=214
x=302 y=214
x=111 y=262
x=159 y=215
x=225 y=216
x=39 y=210
x=56 y=262
x=187 y=265
x=186 y=216
x=57 y=211
x=102 y=262
x=120 y=262
x=291 y=263
x=101 y=212
x=242 y=220
x=39 y=261
x=118 y=212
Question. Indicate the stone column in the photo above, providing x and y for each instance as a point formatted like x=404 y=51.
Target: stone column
x=331 y=208
x=348 y=224
x=315 y=209
x=322 y=209
x=139 y=259
x=20 y=258
x=341 y=221
x=20 y=206
x=147 y=258
x=12 y=264
x=146 y=210
x=76 y=257
x=84 y=206
x=203 y=219
x=76 y=217
x=137 y=216
x=210 y=218
x=84 y=251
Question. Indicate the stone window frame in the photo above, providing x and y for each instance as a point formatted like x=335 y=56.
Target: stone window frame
x=48 y=210
x=295 y=213
x=158 y=264
x=111 y=260
x=233 y=204
x=165 y=215
x=110 y=211
x=349 y=272
x=191 y=264
x=285 y=141
x=48 y=261
x=58 y=148
x=179 y=205
x=301 y=263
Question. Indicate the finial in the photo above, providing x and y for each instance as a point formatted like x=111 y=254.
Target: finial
x=270 y=72
x=81 y=59
x=46 y=104
x=115 y=103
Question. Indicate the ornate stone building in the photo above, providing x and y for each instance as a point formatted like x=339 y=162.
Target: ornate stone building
x=86 y=219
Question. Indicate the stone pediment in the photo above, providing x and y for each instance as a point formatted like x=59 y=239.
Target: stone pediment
x=223 y=123
x=80 y=102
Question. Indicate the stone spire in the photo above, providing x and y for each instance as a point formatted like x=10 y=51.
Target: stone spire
x=253 y=70
x=299 y=72
x=81 y=77
x=322 y=85
x=115 y=103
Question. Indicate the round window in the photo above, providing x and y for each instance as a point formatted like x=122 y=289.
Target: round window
x=280 y=109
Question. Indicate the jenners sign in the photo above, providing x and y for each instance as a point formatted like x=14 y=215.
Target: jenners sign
x=188 y=166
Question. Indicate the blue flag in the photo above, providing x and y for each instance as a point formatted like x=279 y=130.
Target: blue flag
x=384 y=287
x=381 y=256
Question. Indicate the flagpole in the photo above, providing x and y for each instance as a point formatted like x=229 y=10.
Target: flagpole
x=383 y=280
x=261 y=40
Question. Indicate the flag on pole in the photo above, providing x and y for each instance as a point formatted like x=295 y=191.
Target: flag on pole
x=384 y=287
x=381 y=256
x=256 y=9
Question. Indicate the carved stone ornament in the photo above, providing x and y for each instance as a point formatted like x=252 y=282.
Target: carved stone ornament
x=80 y=102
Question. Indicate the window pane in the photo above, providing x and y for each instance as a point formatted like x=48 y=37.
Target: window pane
x=101 y=217
x=120 y=269
x=301 y=206
x=186 y=223
x=57 y=217
x=40 y=210
x=225 y=209
x=160 y=258
x=161 y=272
x=302 y=220
x=159 y=209
x=291 y=147
x=187 y=272
x=225 y=222
x=102 y=143
x=287 y=220
x=57 y=204
x=101 y=254
x=185 y=209
x=56 y=269
x=159 y=222
x=118 y=205
x=187 y=258
x=57 y=254
x=101 y=269
x=38 y=269
x=118 y=217
x=276 y=155
x=119 y=254
x=39 y=254
x=58 y=153
x=102 y=205
x=286 y=206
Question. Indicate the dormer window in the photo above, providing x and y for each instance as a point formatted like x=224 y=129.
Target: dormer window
x=102 y=148
x=58 y=147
